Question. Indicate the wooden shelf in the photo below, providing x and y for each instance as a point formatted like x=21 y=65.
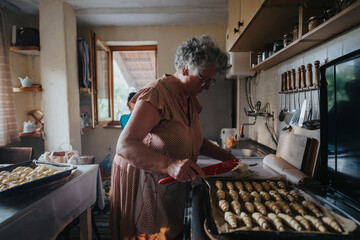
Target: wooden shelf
x=26 y=50
x=269 y=24
x=27 y=89
x=33 y=134
x=87 y=128
x=273 y=19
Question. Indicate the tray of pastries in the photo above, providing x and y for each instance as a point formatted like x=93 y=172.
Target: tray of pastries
x=20 y=177
x=260 y=208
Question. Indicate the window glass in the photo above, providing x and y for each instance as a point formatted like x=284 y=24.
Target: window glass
x=102 y=70
x=133 y=68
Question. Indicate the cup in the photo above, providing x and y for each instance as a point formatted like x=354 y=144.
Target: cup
x=228 y=137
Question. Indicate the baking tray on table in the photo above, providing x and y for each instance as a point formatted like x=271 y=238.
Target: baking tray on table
x=65 y=170
x=211 y=210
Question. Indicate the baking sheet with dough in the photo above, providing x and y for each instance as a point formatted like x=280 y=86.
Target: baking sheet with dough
x=64 y=170
x=223 y=227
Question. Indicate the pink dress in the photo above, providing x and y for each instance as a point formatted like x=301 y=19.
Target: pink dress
x=139 y=206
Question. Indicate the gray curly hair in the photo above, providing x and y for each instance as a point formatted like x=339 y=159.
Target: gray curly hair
x=198 y=53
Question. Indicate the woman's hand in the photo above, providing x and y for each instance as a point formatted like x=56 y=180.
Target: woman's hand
x=184 y=170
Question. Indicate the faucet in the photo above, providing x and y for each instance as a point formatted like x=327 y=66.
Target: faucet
x=249 y=114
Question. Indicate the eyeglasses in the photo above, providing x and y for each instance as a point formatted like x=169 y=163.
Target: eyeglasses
x=206 y=82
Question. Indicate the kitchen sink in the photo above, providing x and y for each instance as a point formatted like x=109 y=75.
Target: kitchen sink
x=245 y=153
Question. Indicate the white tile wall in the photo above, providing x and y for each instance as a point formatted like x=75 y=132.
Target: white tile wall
x=268 y=84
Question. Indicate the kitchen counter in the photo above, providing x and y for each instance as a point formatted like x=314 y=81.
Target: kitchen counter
x=253 y=154
x=43 y=212
x=195 y=212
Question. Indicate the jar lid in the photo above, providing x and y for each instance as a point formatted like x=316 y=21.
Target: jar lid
x=314 y=18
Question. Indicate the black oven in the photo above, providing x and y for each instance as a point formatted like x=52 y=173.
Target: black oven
x=340 y=129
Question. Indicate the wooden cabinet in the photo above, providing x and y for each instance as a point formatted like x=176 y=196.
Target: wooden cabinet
x=248 y=11
x=274 y=18
x=234 y=22
x=241 y=12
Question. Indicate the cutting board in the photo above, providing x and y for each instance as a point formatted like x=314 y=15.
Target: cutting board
x=311 y=156
x=292 y=148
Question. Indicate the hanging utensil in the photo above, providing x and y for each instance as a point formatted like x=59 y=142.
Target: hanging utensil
x=309 y=74
x=302 y=114
x=317 y=85
x=290 y=113
x=283 y=89
x=295 y=118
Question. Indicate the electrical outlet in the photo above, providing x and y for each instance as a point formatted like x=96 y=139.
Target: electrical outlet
x=109 y=148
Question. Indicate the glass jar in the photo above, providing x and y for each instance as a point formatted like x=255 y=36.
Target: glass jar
x=295 y=32
x=288 y=38
x=265 y=55
x=259 y=57
x=314 y=22
x=346 y=3
x=329 y=13
x=278 y=45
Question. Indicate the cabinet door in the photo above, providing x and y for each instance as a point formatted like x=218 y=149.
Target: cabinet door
x=248 y=11
x=233 y=20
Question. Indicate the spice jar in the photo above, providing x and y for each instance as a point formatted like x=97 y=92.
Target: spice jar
x=288 y=38
x=346 y=3
x=314 y=22
x=329 y=13
x=278 y=45
x=295 y=32
x=265 y=55
x=259 y=57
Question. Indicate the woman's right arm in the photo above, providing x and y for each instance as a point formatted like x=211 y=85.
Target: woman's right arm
x=130 y=145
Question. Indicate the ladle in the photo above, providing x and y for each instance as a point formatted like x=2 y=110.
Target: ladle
x=283 y=111
x=283 y=89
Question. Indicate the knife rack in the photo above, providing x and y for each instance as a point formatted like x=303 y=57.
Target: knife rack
x=302 y=81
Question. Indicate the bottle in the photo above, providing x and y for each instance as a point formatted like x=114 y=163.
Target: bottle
x=295 y=32
x=288 y=38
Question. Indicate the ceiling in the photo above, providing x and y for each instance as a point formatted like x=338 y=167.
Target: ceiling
x=136 y=12
x=137 y=67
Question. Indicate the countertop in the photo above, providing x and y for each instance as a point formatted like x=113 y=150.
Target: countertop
x=44 y=212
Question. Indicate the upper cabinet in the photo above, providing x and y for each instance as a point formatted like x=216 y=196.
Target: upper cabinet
x=264 y=22
x=241 y=12
x=234 y=22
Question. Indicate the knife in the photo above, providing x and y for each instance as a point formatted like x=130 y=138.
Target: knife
x=302 y=114
x=214 y=169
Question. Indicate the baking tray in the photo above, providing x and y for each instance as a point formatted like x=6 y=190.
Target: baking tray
x=38 y=182
x=212 y=232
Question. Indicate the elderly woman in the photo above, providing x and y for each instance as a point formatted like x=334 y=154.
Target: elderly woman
x=164 y=138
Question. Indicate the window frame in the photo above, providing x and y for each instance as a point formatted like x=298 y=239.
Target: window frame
x=116 y=123
x=110 y=80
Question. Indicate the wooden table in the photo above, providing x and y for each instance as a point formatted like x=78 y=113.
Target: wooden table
x=44 y=212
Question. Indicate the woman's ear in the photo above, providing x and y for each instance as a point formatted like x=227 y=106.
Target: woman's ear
x=185 y=71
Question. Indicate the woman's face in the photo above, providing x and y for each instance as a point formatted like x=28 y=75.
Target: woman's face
x=204 y=80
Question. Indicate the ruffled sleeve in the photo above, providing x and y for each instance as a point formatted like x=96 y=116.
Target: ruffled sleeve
x=153 y=96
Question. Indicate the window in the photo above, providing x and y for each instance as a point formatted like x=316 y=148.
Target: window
x=133 y=68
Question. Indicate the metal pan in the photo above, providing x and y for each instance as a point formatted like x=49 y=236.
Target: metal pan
x=38 y=182
x=211 y=227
